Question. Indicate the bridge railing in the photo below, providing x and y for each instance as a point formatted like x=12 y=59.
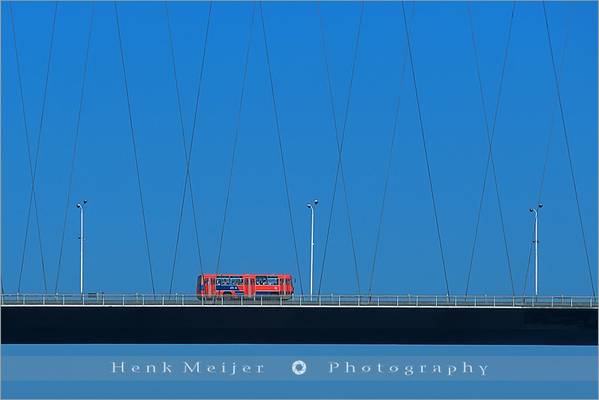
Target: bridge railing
x=331 y=300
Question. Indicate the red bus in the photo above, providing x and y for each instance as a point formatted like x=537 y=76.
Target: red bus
x=244 y=285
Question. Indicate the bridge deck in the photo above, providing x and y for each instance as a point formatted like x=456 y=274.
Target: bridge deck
x=336 y=320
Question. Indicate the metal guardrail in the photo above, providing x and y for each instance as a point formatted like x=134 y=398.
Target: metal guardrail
x=332 y=300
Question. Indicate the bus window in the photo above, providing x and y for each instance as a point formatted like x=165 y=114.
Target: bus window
x=222 y=280
x=236 y=280
x=261 y=280
x=273 y=280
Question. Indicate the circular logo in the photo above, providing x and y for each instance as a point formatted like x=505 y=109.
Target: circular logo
x=299 y=367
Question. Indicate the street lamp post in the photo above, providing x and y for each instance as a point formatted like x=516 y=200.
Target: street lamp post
x=535 y=211
x=81 y=237
x=312 y=207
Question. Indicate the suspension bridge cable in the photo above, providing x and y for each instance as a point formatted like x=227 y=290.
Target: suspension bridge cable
x=187 y=155
x=547 y=148
x=236 y=136
x=280 y=143
x=340 y=142
x=426 y=158
x=75 y=142
x=490 y=134
x=566 y=139
x=134 y=145
x=33 y=164
x=191 y=142
x=389 y=163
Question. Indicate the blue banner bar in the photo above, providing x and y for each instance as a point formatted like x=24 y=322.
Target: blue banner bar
x=172 y=371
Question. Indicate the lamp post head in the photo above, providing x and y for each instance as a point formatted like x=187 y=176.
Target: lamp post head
x=85 y=202
x=315 y=201
x=309 y=205
x=78 y=205
x=531 y=209
x=540 y=205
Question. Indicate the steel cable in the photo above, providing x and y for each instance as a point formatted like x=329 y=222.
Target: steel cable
x=389 y=163
x=191 y=142
x=134 y=145
x=340 y=144
x=568 y=151
x=184 y=142
x=75 y=143
x=490 y=137
x=547 y=148
x=33 y=164
x=281 y=152
x=236 y=137
x=424 y=145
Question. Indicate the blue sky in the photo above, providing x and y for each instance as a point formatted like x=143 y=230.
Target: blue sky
x=257 y=236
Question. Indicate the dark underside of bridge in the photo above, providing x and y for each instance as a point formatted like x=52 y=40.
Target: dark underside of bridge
x=88 y=324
